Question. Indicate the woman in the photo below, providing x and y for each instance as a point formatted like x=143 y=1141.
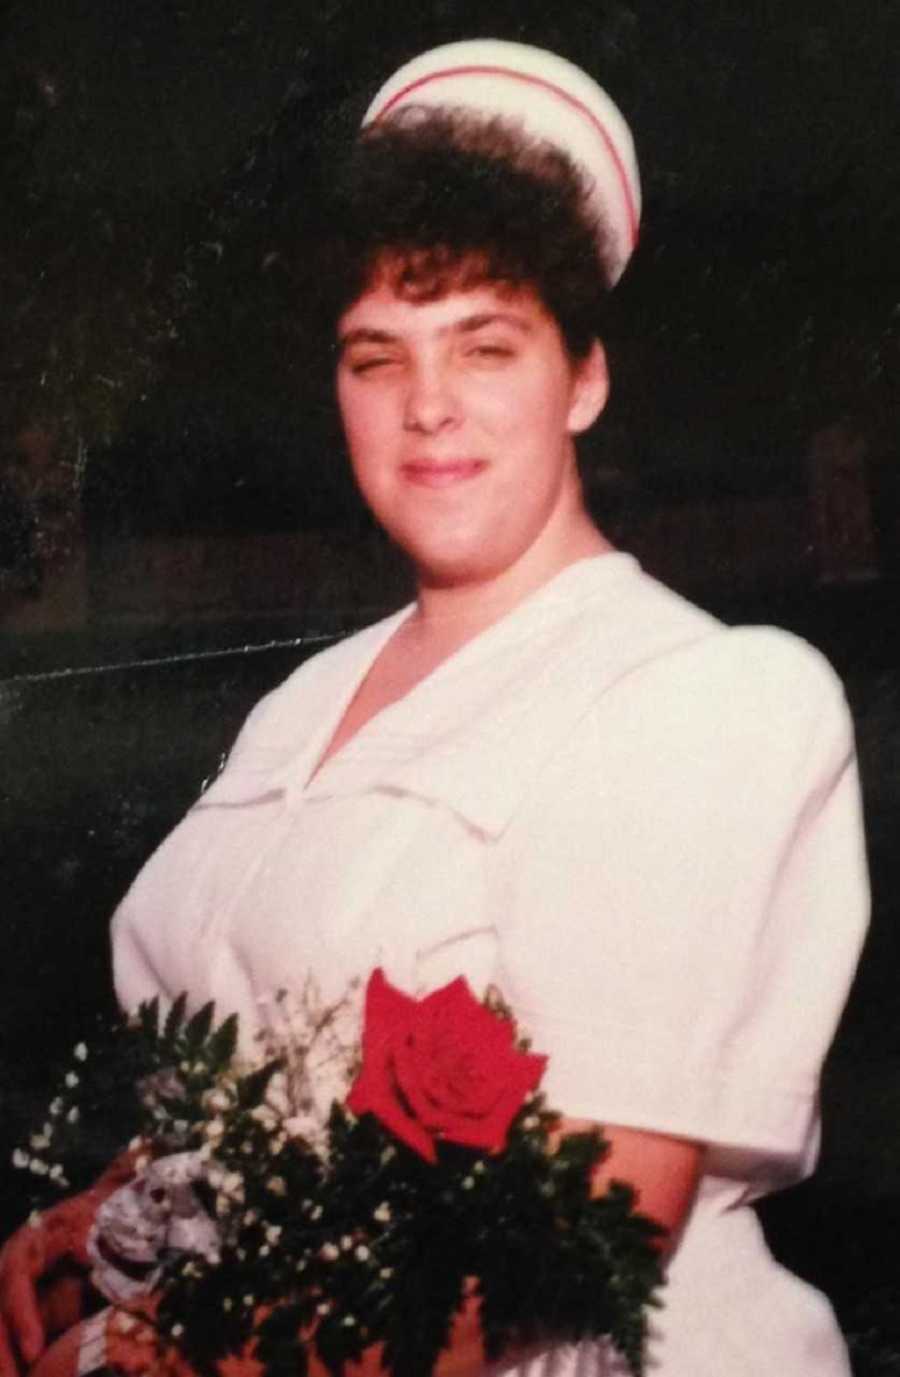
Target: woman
x=549 y=772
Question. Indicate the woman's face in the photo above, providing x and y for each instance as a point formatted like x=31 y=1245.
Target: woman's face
x=459 y=415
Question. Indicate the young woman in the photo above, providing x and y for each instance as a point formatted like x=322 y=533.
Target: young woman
x=549 y=772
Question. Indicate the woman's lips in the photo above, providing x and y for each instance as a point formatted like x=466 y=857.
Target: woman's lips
x=427 y=473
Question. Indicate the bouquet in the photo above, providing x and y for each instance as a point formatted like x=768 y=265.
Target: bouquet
x=337 y=1192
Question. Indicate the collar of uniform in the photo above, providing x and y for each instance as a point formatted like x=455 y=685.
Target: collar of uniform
x=276 y=750
x=475 y=733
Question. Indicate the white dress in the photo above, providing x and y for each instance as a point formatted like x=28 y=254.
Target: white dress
x=643 y=826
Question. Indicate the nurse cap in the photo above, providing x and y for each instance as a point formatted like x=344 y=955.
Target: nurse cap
x=550 y=99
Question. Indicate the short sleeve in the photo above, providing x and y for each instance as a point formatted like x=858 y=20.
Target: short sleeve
x=684 y=904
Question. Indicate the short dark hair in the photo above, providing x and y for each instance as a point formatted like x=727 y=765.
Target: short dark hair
x=439 y=199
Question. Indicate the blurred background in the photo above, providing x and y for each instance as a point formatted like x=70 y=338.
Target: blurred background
x=177 y=528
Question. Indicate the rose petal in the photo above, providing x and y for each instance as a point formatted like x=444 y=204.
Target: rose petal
x=489 y=1132
x=387 y=1016
x=457 y=1056
x=444 y=1065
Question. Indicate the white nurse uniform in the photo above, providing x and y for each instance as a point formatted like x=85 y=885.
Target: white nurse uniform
x=643 y=826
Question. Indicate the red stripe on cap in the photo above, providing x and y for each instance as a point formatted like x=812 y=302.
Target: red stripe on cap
x=579 y=105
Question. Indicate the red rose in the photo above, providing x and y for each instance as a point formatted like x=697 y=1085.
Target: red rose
x=440 y=1067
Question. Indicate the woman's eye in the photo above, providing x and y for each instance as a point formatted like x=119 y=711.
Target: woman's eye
x=491 y=351
x=370 y=365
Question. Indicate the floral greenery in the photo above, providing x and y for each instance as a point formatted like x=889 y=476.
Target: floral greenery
x=359 y=1240
x=110 y=1094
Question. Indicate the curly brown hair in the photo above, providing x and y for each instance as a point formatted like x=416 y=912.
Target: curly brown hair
x=441 y=199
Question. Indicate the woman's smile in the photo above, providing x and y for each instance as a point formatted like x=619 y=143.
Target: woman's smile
x=441 y=473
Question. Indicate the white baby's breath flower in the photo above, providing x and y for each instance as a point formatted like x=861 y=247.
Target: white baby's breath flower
x=273 y=1234
x=346 y=1243
x=177 y=1330
x=56 y=1172
x=223 y=1205
x=217 y=1100
x=249 y=1299
x=81 y=1052
x=123 y=1322
x=264 y=1116
x=276 y=1185
x=531 y=1122
x=265 y=1250
x=383 y=1213
x=323 y=1308
x=362 y=1253
x=388 y=1153
x=277 y=1094
x=233 y=1185
x=56 y=1106
x=386 y=1273
x=348 y=1321
x=468 y=1183
x=135 y=1143
x=35 y=1220
x=316 y=1212
x=198 y=1068
x=227 y=1303
x=184 y=1067
x=20 y=1159
x=73 y=1115
x=181 y=1125
x=39 y=1141
x=215 y=1176
x=71 y=1079
x=37 y=1167
x=251 y=1216
x=329 y=1252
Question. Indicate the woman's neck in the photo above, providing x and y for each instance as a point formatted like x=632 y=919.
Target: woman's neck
x=448 y=615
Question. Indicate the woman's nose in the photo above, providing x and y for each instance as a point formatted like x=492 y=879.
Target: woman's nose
x=430 y=404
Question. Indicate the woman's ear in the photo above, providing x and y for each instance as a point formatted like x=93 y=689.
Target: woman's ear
x=590 y=391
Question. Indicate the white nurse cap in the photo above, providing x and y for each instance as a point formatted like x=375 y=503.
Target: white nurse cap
x=551 y=99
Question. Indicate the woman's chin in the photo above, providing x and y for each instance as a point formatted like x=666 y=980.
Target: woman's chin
x=453 y=569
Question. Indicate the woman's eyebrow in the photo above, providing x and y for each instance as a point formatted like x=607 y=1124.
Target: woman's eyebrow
x=477 y=322
x=367 y=334
x=364 y=334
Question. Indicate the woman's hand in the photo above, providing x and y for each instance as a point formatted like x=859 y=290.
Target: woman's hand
x=30 y=1257
x=23 y=1261
x=39 y=1286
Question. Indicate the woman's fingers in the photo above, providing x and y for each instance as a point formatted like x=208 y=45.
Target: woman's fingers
x=61 y=1358
x=19 y=1345
x=22 y=1317
x=8 y=1365
x=22 y=1260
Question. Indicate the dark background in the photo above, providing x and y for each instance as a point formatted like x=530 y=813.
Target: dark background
x=176 y=525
